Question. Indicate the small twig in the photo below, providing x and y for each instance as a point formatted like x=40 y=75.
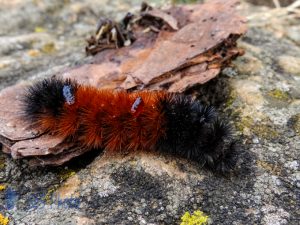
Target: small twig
x=278 y=12
x=277 y=3
x=294 y=5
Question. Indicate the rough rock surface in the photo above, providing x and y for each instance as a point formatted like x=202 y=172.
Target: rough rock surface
x=260 y=94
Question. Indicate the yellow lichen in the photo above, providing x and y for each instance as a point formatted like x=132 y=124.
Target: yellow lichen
x=3 y=220
x=63 y=174
x=48 y=197
x=66 y=173
x=279 y=95
x=197 y=218
x=2 y=187
x=39 y=29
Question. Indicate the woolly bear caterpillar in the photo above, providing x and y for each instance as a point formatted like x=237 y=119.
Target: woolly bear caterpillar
x=145 y=120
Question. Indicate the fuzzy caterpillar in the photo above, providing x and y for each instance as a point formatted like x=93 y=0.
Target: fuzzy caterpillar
x=119 y=121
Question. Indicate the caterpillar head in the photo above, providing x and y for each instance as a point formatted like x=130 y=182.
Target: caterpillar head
x=196 y=132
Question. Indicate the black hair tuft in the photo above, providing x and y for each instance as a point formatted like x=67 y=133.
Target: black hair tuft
x=196 y=132
x=46 y=98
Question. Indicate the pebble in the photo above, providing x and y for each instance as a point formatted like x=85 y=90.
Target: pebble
x=293 y=165
x=138 y=211
x=255 y=140
x=293 y=32
x=290 y=64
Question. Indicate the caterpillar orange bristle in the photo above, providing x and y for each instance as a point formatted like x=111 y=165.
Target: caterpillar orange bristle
x=119 y=121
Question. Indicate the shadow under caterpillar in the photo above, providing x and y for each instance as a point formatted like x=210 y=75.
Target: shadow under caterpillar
x=114 y=120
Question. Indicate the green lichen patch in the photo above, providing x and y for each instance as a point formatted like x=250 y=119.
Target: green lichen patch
x=279 y=95
x=64 y=174
x=262 y=129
